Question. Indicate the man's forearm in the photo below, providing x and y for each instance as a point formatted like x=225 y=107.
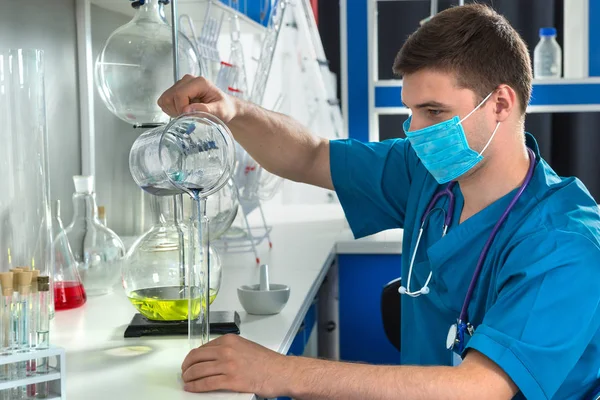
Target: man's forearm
x=311 y=379
x=282 y=145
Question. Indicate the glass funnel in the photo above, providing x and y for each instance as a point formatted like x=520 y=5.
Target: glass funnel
x=136 y=65
x=155 y=273
x=97 y=250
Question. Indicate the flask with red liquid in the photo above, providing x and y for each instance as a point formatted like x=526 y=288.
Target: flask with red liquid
x=68 y=289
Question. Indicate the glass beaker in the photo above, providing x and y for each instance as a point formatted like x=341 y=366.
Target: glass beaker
x=154 y=272
x=136 y=65
x=97 y=249
x=25 y=224
x=192 y=154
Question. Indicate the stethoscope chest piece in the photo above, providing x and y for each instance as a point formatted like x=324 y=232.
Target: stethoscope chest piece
x=452 y=337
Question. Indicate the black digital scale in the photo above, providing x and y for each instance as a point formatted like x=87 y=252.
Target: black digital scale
x=221 y=322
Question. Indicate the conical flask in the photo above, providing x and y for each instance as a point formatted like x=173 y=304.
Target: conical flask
x=68 y=289
x=136 y=65
x=97 y=249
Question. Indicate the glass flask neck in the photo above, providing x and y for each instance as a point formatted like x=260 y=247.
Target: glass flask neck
x=84 y=207
x=56 y=215
x=166 y=210
x=152 y=11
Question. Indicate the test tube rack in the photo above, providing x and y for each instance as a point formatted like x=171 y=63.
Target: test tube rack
x=55 y=377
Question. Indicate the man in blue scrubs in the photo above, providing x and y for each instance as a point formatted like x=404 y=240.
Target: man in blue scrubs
x=534 y=316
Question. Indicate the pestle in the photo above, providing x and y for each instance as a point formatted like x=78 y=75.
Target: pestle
x=264 y=278
x=264 y=298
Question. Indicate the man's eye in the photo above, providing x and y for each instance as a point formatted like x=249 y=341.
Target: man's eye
x=434 y=113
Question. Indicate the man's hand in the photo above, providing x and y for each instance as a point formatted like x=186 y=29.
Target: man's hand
x=236 y=364
x=198 y=94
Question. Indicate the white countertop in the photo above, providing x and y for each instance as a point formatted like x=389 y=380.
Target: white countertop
x=101 y=364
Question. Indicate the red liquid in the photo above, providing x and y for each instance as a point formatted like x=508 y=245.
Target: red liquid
x=68 y=295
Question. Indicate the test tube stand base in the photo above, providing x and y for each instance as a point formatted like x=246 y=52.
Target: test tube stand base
x=55 y=376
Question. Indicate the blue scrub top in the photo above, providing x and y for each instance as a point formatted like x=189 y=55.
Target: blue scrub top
x=536 y=306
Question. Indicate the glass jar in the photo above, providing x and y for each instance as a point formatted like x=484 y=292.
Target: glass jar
x=136 y=65
x=97 y=250
x=154 y=272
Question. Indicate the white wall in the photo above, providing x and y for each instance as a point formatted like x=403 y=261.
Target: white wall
x=50 y=26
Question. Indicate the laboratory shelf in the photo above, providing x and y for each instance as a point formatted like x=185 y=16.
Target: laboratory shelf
x=551 y=95
x=194 y=8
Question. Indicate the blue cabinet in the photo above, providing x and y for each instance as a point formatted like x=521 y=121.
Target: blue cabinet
x=361 y=279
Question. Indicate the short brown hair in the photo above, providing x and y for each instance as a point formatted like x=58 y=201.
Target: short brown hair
x=474 y=42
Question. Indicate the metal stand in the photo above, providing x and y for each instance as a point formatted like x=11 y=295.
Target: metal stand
x=250 y=237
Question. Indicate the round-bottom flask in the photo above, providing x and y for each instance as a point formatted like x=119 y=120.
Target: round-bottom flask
x=154 y=273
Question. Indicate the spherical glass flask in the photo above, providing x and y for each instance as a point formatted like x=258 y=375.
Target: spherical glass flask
x=154 y=277
x=136 y=65
x=221 y=209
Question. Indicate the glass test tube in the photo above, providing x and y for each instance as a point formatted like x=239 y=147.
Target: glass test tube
x=43 y=329
x=33 y=310
x=32 y=330
x=6 y=283
x=15 y=309
x=24 y=279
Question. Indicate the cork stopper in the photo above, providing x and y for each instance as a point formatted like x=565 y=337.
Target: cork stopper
x=25 y=268
x=101 y=212
x=43 y=283
x=34 y=284
x=16 y=271
x=24 y=279
x=6 y=281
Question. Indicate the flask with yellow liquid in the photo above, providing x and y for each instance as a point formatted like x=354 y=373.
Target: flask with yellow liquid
x=155 y=274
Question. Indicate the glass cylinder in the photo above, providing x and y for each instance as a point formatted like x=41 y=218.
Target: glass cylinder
x=136 y=65
x=154 y=272
x=25 y=223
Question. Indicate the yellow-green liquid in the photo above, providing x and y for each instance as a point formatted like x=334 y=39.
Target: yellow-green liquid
x=169 y=303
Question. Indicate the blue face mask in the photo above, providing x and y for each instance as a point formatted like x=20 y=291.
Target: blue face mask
x=443 y=148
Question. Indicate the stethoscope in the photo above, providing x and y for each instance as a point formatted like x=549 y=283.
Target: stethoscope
x=456 y=334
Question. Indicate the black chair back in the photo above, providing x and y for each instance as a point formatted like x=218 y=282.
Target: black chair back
x=390 y=311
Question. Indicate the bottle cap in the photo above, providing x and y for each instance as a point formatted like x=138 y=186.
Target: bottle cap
x=545 y=32
x=43 y=283
x=16 y=272
x=84 y=183
x=34 y=285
